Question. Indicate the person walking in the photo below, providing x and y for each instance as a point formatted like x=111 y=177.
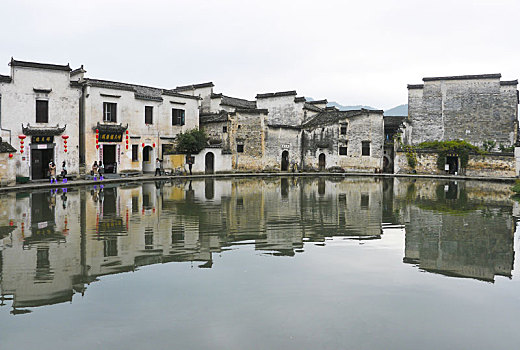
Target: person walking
x=64 y=172
x=157 y=167
x=190 y=163
x=52 y=172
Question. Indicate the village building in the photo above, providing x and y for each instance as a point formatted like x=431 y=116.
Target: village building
x=479 y=109
x=39 y=116
x=344 y=140
x=128 y=126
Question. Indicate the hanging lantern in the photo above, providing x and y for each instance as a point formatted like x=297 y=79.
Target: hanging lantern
x=143 y=144
x=97 y=146
x=21 y=137
x=97 y=131
x=127 y=132
x=21 y=142
x=65 y=150
x=10 y=155
x=154 y=145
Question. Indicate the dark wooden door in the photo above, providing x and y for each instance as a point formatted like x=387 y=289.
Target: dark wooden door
x=210 y=163
x=285 y=160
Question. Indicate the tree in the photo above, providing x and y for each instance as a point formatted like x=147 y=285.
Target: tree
x=191 y=141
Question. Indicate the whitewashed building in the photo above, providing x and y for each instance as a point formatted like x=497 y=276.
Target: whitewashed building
x=39 y=116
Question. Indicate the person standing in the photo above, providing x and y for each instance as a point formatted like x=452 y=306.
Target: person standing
x=94 y=171
x=52 y=172
x=101 y=170
x=157 y=167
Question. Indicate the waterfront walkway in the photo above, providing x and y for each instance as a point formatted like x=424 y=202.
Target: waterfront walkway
x=150 y=177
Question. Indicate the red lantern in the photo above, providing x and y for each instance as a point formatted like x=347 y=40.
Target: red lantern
x=65 y=150
x=21 y=146
x=10 y=155
x=143 y=144
x=21 y=151
x=127 y=132
x=21 y=136
x=97 y=146
x=65 y=141
x=21 y=142
x=97 y=131
x=127 y=146
x=154 y=144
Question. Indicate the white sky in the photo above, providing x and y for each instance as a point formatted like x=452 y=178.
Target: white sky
x=351 y=52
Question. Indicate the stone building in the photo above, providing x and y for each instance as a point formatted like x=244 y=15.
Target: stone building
x=480 y=109
x=475 y=108
x=344 y=140
x=39 y=111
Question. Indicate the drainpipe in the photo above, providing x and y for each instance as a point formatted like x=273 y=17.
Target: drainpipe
x=2 y=129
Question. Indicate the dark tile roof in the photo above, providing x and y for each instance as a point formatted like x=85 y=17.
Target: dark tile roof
x=5 y=79
x=237 y=102
x=299 y=99
x=141 y=91
x=509 y=82
x=194 y=86
x=277 y=94
x=43 y=130
x=329 y=117
x=77 y=71
x=415 y=86
x=213 y=118
x=311 y=107
x=252 y=111
x=393 y=121
x=284 y=126
x=5 y=147
x=318 y=102
x=466 y=77
x=110 y=128
x=15 y=63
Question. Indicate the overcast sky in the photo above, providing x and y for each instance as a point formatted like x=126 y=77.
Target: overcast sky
x=351 y=52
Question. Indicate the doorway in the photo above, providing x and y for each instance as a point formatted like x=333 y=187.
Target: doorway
x=40 y=159
x=285 y=160
x=109 y=159
x=210 y=163
x=148 y=164
x=321 y=161
x=453 y=164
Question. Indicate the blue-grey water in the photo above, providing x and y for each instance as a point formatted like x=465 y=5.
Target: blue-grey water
x=274 y=263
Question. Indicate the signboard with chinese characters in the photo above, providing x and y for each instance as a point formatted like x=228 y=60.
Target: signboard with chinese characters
x=42 y=139
x=110 y=137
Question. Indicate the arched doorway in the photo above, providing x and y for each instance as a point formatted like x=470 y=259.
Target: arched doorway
x=285 y=160
x=321 y=161
x=210 y=163
x=148 y=160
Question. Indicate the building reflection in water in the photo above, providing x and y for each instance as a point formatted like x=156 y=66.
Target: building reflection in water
x=55 y=243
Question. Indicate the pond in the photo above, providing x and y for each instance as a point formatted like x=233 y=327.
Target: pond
x=264 y=263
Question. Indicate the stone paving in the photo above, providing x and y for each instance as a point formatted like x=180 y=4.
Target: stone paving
x=150 y=177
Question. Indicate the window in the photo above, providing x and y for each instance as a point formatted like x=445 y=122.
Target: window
x=42 y=111
x=148 y=115
x=240 y=148
x=365 y=200
x=224 y=129
x=109 y=112
x=365 y=148
x=135 y=153
x=342 y=150
x=178 y=116
x=343 y=130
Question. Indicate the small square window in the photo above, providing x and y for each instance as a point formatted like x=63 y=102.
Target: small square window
x=148 y=115
x=343 y=130
x=342 y=150
x=365 y=148
x=178 y=116
x=109 y=112
x=224 y=129
x=240 y=148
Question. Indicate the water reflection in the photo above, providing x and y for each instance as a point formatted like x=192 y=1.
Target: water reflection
x=55 y=243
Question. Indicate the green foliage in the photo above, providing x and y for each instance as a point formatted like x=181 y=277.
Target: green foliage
x=191 y=142
x=516 y=187
x=505 y=149
x=488 y=145
x=411 y=155
x=459 y=147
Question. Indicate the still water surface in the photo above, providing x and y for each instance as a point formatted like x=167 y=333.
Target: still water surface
x=275 y=263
